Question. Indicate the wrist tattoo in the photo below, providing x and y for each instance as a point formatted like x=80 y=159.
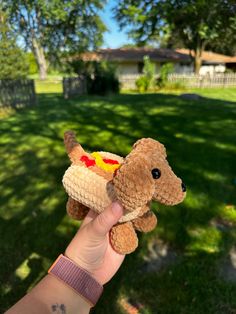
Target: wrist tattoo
x=58 y=308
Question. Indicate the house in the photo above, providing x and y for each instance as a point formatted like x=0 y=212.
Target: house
x=130 y=60
x=212 y=62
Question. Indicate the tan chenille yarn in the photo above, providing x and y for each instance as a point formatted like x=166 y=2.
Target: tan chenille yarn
x=94 y=181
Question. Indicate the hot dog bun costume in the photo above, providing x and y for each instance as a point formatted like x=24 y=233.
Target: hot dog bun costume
x=95 y=180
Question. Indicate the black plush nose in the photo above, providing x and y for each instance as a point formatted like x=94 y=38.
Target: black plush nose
x=183 y=186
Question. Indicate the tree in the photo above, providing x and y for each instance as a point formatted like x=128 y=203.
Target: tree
x=226 y=42
x=51 y=28
x=12 y=59
x=195 y=23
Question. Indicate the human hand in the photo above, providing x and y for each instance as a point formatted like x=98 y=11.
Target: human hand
x=91 y=248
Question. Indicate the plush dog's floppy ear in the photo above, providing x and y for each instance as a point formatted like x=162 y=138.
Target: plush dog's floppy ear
x=133 y=182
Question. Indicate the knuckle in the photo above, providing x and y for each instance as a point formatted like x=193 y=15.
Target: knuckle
x=103 y=219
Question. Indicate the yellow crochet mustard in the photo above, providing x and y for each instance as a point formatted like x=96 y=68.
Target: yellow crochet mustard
x=101 y=164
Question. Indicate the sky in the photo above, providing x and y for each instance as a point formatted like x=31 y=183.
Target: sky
x=114 y=38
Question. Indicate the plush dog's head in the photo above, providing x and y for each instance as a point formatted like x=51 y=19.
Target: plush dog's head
x=146 y=175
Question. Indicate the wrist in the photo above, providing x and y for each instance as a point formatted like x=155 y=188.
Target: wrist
x=87 y=267
x=77 y=279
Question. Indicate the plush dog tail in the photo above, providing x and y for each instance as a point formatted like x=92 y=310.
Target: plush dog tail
x=73 y=148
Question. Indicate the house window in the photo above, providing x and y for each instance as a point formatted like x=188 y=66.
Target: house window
x=140 y=67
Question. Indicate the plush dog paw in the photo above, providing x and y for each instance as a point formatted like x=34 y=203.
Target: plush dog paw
x=145 y=223
x=123 y=238
x=75 y=209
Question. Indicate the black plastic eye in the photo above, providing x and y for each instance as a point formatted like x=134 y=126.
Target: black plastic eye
x=156 y=173
x=183 y=186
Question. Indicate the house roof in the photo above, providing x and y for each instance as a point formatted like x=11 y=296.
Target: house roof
x=210 y=57
x=155 y=54
x=136 y=55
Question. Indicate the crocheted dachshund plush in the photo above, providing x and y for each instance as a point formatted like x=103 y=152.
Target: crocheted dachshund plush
x=95 y=180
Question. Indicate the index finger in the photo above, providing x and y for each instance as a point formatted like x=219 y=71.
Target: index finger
x=89 y=217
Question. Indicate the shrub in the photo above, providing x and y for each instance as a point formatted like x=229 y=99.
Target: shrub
x=33 y=68
x=146 y=81
x=103 y=80
x=142 y=84
x=100 y=76
x=166 y=69
x=149 y=71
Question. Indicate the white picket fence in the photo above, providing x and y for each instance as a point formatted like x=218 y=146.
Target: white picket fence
x=189 y=80
x=128 y=81
x=193 y=80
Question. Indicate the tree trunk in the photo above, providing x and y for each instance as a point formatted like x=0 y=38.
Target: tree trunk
x=40 y=59
x=197 y=60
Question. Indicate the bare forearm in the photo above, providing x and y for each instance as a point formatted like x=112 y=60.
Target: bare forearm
x=91 y=251
x=51 y=296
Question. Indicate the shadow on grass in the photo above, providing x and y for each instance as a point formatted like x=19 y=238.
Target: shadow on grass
x=200 y=140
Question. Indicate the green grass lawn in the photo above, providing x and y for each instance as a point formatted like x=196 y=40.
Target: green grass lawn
x=49 y=86
x=200 y=137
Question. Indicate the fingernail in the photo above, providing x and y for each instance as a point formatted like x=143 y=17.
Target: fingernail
x=117 y=208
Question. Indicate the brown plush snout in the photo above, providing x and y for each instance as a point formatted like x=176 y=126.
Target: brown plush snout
x=169 y=190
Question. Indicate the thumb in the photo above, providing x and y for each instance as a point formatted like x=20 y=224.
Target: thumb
x=102 y=224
